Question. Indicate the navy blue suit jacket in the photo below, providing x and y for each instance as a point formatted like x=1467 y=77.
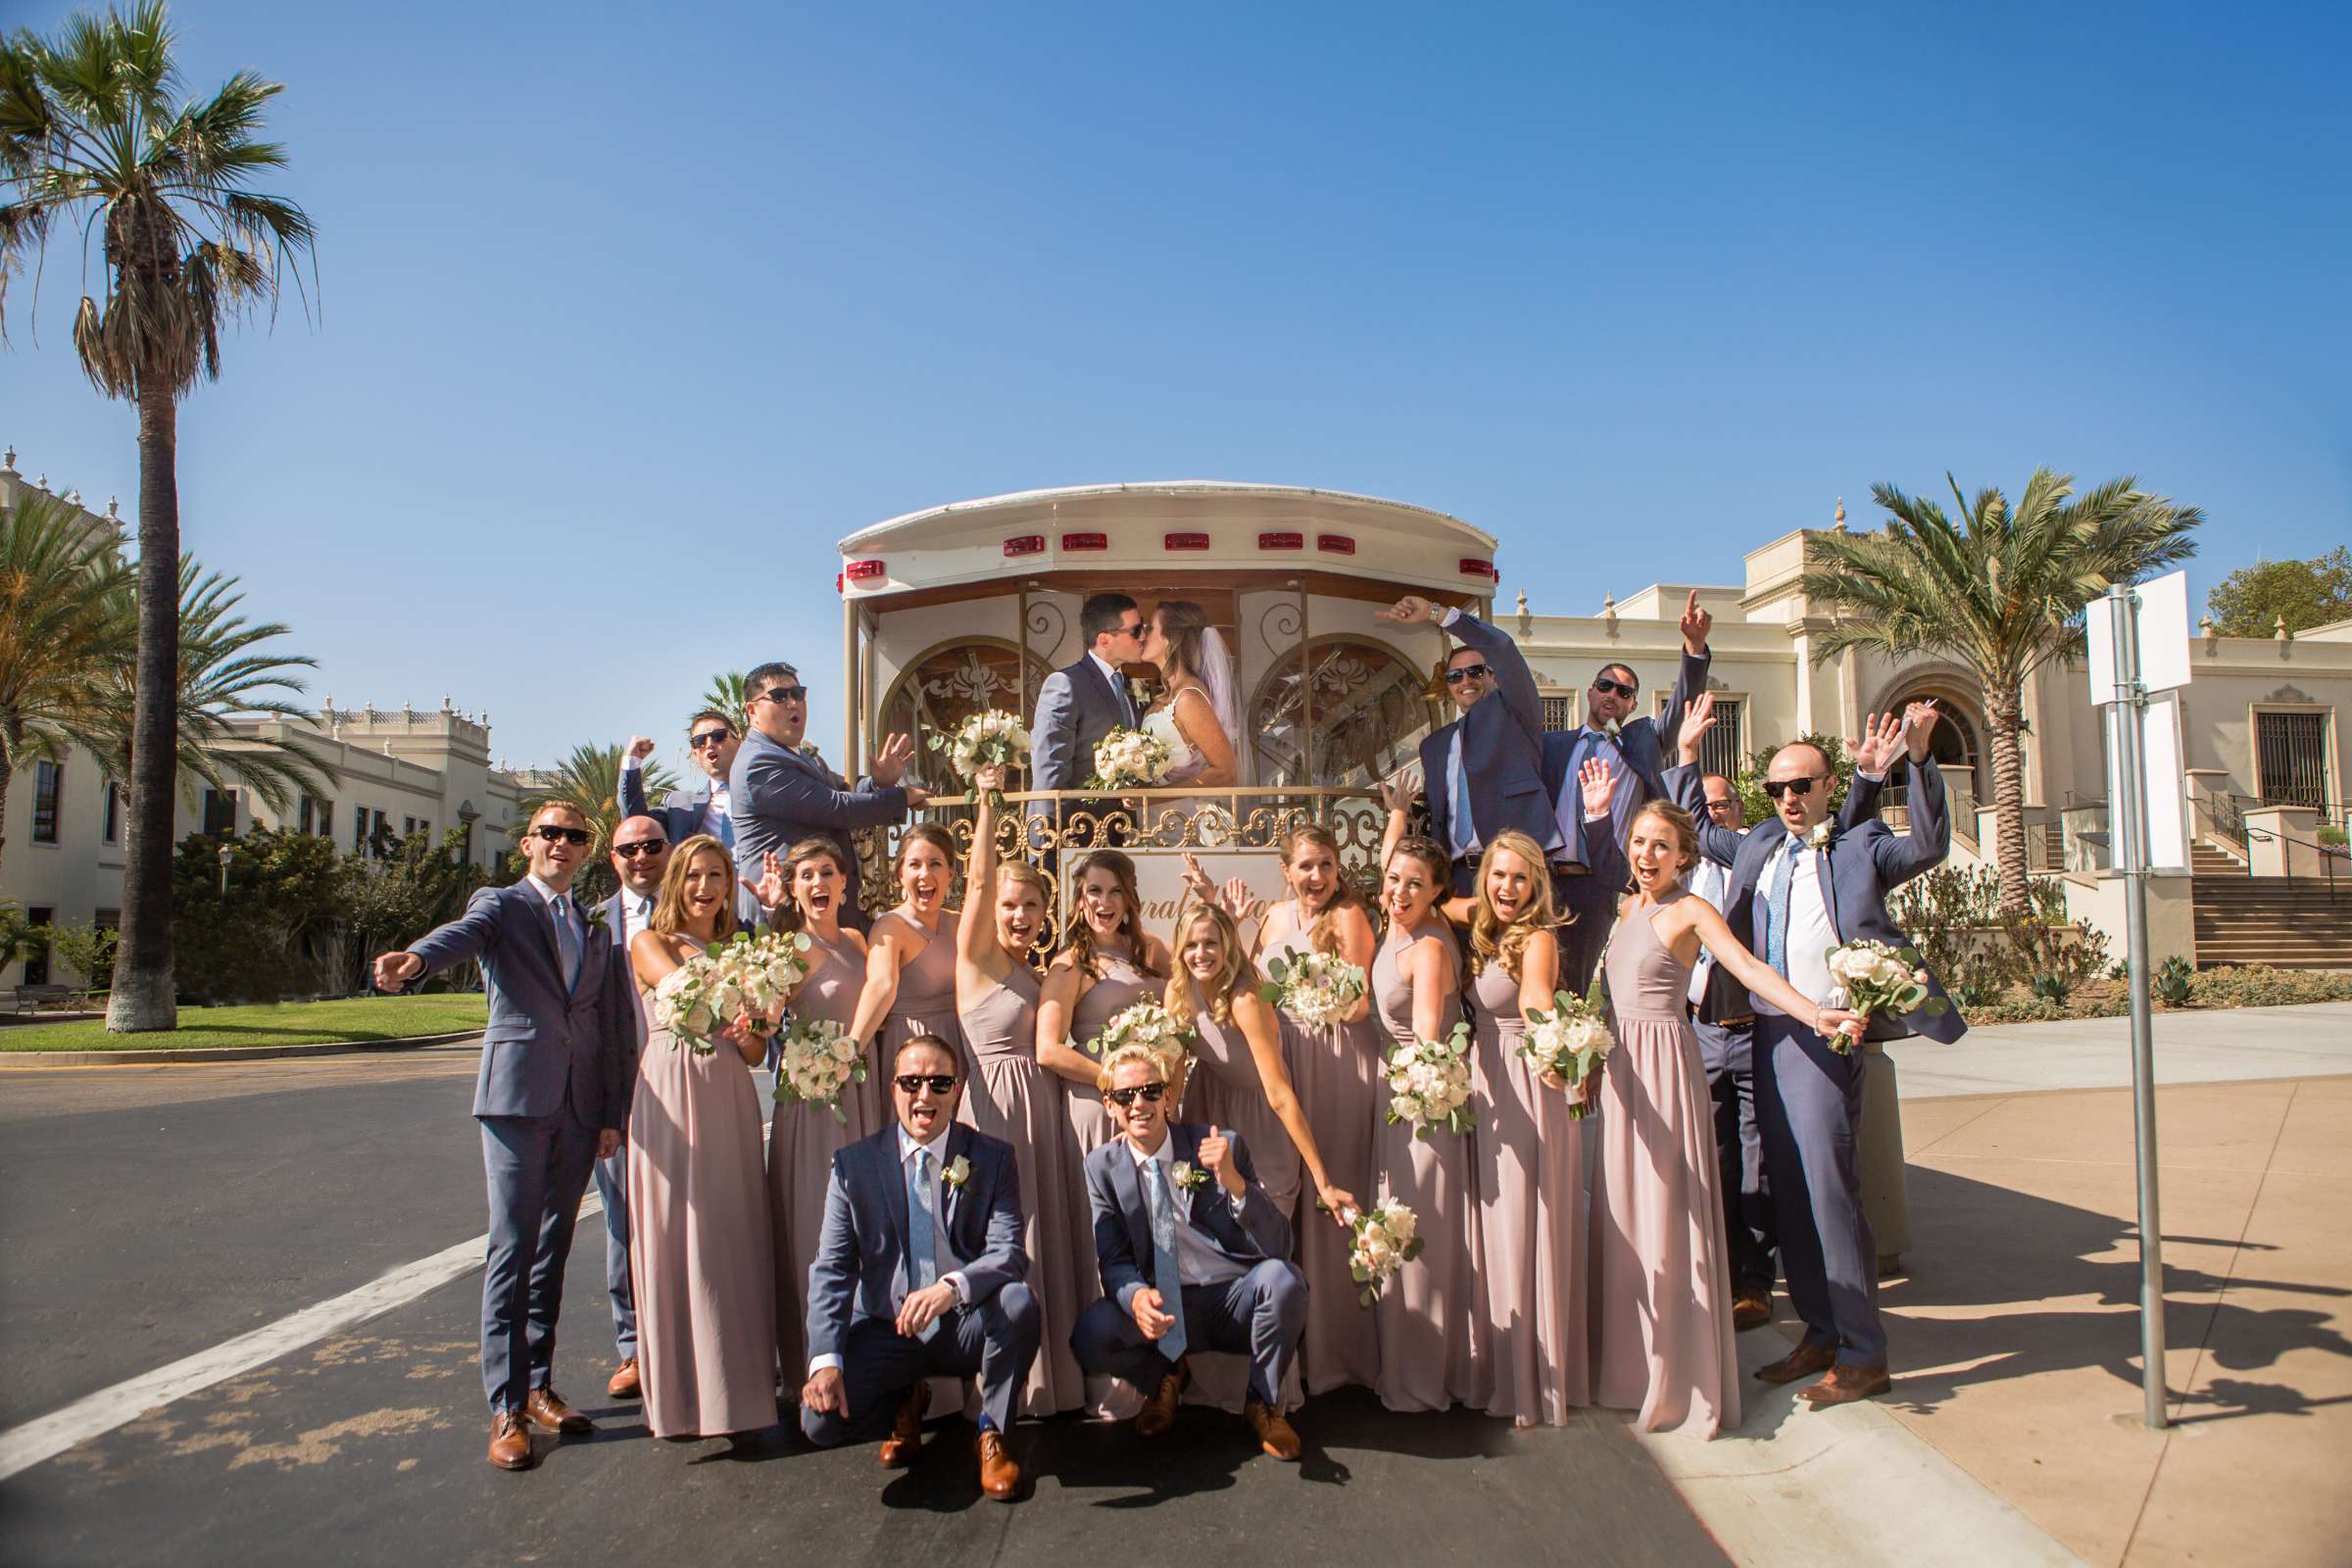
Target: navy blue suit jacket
x=1123 y=1222
x=778 y=796
x=1502 y=755
x=1641 y=750
x=861 y=1251
x=681 y=816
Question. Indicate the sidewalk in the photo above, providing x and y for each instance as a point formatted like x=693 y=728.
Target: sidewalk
x=2015 y=1333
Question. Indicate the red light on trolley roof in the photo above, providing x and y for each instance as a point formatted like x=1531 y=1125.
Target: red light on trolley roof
x=1185 y=541
x=1025 y=544
x=1282 y=541
x=1086 y=541
x=865 y=571
x=1339 y=544
x=1473 y=566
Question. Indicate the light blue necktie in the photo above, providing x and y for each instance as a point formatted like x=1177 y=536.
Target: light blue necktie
x=922 y=1254
x=1465 y=827
x=726 y=828
x=1167 y=1270
x=567 y=940
x=1776 y=913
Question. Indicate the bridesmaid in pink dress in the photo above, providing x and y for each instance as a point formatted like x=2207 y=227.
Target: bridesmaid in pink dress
x=1008 y=1096
x=699 y=1241
x=806 y=1137
x=1662 y=1297
x=911 y=961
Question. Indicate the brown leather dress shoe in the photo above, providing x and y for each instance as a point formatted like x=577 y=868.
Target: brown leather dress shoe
x=906 y=1439
x=1160 y=1413
x=1752 y=1309
x=1801 y=1362
x=1274 y=1434
x=1000 y=1476
x=624 y=1383
x=510 y=1442
x=549 y=1413
x=1845 y=1384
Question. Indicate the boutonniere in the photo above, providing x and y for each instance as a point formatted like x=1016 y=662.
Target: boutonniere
x=1610 y=729
x=1818 y=834
x=959 y=1171
x=1190 y=1175
x=594 y=915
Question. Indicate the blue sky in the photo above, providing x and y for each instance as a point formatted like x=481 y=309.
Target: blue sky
x=630 y=313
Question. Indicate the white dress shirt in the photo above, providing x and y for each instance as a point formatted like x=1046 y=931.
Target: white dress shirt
x=636 y=913
x=941 y=1257
x=1810 y=937
x=1197 y=1260
x=1707 y=880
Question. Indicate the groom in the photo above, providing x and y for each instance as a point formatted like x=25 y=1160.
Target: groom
x=1080 y=704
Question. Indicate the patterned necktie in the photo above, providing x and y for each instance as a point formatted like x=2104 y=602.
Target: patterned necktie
x=567 y=940
x=1167 y=1271
x=1776 y=913
x=922 y=1254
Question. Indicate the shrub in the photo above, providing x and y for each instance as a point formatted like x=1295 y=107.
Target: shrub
x=2258 y=985
x=89 y=951
x=2175 y=980
x=2330 y=835
x=266 y=939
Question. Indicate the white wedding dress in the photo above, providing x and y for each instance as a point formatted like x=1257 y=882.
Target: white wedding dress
x=1184 y=763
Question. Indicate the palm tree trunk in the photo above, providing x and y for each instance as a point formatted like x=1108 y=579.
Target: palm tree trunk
x=16 y=739
x=2004 y=718
x=142 y=994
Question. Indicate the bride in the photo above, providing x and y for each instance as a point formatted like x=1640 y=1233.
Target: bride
x=1198 y=718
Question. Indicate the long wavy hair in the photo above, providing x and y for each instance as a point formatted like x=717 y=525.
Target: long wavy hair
x=1130 y=923
x=1181 y=623
x=1233 y=972
x=1419 y=847
x=669 y=903
x=814 y=846
x=1323 y=935
x=1491 y=937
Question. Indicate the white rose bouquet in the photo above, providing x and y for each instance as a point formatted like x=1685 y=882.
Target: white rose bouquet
x=819 y=1059
x=1147 y=1024
x=990 y=738
x=1386 y=1240
x=686 y=1004
x=1429 y=1084
x=1873 y=977
x=1315 y=988
x=1129 y=759
x=1571 y=1041
x=750 y=976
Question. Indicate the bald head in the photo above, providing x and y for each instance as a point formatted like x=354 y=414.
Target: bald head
x=640 y=854
x=1798 y=782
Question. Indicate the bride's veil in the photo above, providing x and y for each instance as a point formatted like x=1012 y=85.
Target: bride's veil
x=1217 y=672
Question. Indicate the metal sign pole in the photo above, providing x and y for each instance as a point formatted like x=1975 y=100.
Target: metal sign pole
x=2125 y=722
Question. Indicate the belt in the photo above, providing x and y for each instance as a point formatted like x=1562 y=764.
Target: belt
x=1570 y=868
x=1742 y=1020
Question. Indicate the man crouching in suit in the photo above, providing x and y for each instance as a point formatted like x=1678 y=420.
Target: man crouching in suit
x=1193 y=1254
x=918 y=1274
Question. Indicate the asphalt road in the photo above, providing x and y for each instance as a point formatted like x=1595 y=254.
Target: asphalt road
x=146 y=1214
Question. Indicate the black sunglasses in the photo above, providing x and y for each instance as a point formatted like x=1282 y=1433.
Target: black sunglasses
x=632 y=850
x=717 y=737
x=1602 y=683
x=1798 y=787
x=913 y=1083
x=1124 y=1097
x=569 y=835
x=785 y=694
x=1462 y=673
x=1134 y=631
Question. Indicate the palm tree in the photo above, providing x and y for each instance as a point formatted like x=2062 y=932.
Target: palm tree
x=90 y=136
x=2002 y=595
x=726 y=696
x=590 y=780
x=63 y=596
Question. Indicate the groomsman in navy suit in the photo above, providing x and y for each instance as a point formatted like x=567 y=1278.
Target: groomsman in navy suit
x=1483 y=772
x=1194 y=1254
x=918 y=1274
x=710 y=736
x=1797 y=889
x=552 y=1099
x=780 y=795
x=639 y=855
x=1634 y=748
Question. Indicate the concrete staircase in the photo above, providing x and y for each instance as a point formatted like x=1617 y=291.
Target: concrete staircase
x=2249 y=919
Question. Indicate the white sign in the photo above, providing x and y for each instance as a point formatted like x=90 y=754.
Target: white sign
x=1159 y=882
x=2167 y=786
x=2162 y=616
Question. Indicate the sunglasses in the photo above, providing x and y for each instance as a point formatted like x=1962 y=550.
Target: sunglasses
x=1134 y=631
x=1455 y=676
x=913 y=1083
x=785 y=694
x=1798 y=787
x=1123 y=1098
x=1601 y=683
x=569 y=835
x=715 y=738
x=630 y=852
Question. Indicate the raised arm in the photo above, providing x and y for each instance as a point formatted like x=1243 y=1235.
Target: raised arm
x=774 y=787
x=1261 y=1026
x=632 y=801
x=1930 y=839
x=975 y=928
x=468 y=936
x=1691 y=679
x=1514 y=682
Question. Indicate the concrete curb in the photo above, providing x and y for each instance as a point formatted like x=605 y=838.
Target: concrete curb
x=191 y=1053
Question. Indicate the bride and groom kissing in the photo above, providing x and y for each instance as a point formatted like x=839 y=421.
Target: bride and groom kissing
x=1198 y=716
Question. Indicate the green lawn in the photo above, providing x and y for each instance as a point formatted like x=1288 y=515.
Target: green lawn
x=292 y=1023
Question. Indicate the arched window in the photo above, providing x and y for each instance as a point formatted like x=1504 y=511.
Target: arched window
x=1371 y=711
x=945 y=686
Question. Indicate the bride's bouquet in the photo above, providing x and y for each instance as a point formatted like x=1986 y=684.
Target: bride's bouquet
x=820 y=1059
x=1129 y=759
x=1315 y=988
x=990 y=738
x=1429 y=1084
x=1147 y=1024
x=750 y=976
x=1876 y=977
x=1571 y=1041
x=1386 y=1240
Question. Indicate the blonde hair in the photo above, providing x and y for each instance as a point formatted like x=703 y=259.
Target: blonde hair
x=1322 y=936
x=1120 y=1056
x=670 y=904
x=1233 y=970
x=1490 y=935
x=1685 y=830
